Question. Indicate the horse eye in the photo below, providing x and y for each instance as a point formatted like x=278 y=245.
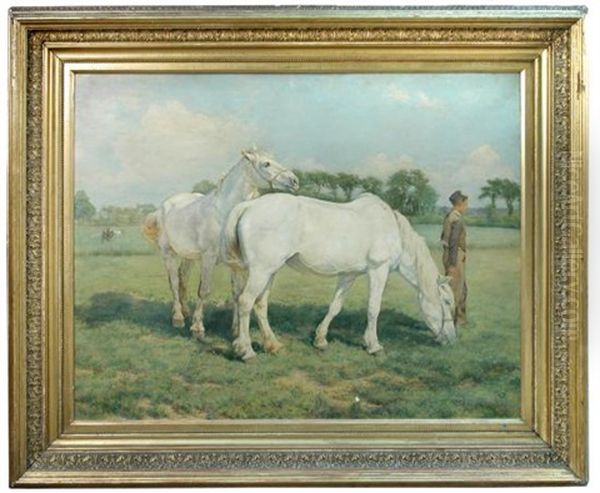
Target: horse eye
x=267 y=164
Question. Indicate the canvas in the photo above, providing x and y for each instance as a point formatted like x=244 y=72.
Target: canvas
x=411 y=139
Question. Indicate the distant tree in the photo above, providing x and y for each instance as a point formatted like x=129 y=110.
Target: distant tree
x=347 y=182
x=301 y=175
x=307 y=187
x=372 y=185
x=84 y=209
x=510 y=192
x=318 y=179
x=331 y=183
x=204 y=186
x=409 y=191
x=428 y=198
x=145 y=209
x=492 y=191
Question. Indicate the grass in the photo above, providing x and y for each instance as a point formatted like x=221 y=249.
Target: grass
x=491 y=219
x=131 y=364
x=88 y=240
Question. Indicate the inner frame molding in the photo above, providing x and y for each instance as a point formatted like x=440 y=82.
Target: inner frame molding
x=546 y=445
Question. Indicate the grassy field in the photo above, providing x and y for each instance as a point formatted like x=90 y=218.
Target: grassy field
x=131 y=364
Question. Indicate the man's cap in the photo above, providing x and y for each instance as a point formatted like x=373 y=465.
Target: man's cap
x=457 y=196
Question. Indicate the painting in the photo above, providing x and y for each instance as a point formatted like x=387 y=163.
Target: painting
x=297 y=246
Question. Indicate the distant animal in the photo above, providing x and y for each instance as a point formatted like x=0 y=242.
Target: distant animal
x=364 y=236
x=109 y=233
x=187 y=227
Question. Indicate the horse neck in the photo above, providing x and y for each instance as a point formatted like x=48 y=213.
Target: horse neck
x=417 y=266
x=235 y=187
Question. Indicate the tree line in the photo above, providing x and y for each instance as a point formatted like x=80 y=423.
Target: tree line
x=109 y=215
x=408 y=191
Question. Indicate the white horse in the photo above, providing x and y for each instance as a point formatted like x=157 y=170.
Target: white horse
x=188 y=226
x=364 y=236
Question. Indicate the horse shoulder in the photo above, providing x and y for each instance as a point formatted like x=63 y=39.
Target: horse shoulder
x=385 y=234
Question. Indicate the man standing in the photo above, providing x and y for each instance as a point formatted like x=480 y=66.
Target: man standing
x=454 y=240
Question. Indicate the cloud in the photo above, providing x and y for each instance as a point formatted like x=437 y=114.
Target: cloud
x=381 y=166
x=168 y=149
x=471 y=173
x=425 y=101
x=309 y=164
x=191 y=144
x=468 y=174
x=485 y=162
x=398 y=94
x=418 y=99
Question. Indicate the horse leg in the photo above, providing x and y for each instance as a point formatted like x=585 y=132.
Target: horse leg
x=377 y=279
x=238 y=281
x=343 y=285
x=208 y=264
x=255 y=286
x=178 y=319
x=270 y=342
x=185 y=267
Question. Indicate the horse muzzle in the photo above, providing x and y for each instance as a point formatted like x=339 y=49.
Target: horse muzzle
x=292 y=183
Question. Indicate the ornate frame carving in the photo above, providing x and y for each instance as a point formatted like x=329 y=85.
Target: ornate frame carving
x=547 y=447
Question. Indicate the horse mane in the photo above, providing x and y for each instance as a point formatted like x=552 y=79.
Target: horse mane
x=421 y=261
x=224 y=176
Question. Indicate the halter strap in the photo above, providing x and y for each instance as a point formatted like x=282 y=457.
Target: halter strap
x=268 y=180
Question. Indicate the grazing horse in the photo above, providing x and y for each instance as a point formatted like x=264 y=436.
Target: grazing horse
x=188 y=226
x=107 y=234
x=364 y=236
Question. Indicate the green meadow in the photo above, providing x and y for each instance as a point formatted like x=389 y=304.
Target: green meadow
x=132 y=364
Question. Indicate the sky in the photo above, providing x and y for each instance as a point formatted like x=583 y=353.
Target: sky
x=140 y=138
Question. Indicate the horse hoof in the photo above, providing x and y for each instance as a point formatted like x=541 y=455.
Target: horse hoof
x=249 y=356
x=375 y=350
x=321 y=345
x=242 y=350
x=199 y=336
x=238 y=347
x=273 y=346
x=178 y=323
x=198 y=332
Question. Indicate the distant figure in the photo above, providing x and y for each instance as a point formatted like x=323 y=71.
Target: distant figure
x=108 y=234
x=454 y=241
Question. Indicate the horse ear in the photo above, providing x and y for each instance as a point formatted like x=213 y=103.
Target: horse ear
x=248 y=155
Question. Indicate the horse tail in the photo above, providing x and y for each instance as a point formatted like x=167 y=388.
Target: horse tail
x=151 y=229
x=230 y=245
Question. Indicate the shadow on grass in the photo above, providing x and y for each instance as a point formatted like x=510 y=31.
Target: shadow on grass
x=298 y=321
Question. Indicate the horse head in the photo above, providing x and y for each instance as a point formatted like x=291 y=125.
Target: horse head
x=446 y=331
x=266 y=173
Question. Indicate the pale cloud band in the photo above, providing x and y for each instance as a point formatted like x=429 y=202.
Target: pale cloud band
x=141 y=138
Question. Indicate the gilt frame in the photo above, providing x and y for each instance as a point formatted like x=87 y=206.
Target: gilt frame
x=547 y=445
